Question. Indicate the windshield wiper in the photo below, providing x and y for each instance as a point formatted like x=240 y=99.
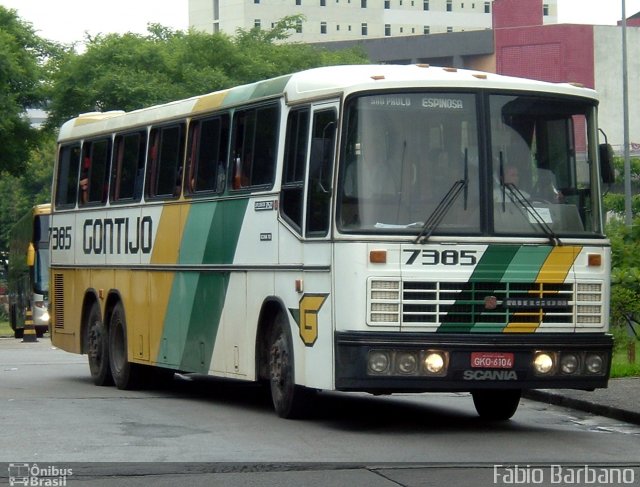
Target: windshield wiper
x=445 y=204
x=522 y=201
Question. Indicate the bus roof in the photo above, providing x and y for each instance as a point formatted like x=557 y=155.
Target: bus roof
x=313 y=84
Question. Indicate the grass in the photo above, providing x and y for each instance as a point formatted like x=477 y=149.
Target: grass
x=5 y=329
x=620 y=366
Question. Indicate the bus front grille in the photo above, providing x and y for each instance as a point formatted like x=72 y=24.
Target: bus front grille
x=483 y=306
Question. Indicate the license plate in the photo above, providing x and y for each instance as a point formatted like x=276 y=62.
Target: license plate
x=491 y=360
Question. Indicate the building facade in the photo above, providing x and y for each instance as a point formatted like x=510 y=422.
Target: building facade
x=587 y=54
x=348 y=20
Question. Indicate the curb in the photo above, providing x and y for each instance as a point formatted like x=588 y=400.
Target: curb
x=582 y=405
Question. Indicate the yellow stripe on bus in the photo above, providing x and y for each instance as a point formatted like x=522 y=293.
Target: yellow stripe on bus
x=209 y=102
x=554 y=270
x=558 y=263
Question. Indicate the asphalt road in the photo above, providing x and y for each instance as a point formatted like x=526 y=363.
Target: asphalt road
x=203 y=431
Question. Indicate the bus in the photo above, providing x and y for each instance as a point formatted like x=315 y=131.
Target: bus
x=345 y=228
x=28 y=270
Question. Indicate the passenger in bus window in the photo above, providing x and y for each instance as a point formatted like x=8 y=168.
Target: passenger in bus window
x=84 y=181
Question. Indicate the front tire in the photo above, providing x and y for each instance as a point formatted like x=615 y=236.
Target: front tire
x=98 y=348
x=289 y=400
x=125 y=374
x=496 y=405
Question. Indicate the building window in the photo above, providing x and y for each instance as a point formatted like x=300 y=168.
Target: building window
x=449 y=29
x=387 y=30
x=363 y=3
x=426 y=30
x=545 y=9
x=487 y=7
x=401 y=30
x=298 y=2
x=364 y=29
x=338 y=27
x=323 y=27
x=299 y=26
x=387 y=4
x=425 y=4
x=449 y=5
x=256 y=23
x=256 y=1
x=323 y=3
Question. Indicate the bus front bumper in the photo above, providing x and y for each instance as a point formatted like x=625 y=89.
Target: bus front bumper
x=422 y=362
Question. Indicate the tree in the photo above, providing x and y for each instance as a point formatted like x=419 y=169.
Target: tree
x=33 y=186
x=25 y=59
x=131 y=71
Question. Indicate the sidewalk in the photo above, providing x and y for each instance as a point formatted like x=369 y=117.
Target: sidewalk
x=621 y=400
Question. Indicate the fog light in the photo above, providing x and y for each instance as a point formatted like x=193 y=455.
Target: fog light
x=379 y=362
x=569 y=363
x=543 y=363
x=407 y=363
x=434 y=362
x=594 y=363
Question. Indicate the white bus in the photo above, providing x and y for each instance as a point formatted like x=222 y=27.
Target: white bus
x=354 y=228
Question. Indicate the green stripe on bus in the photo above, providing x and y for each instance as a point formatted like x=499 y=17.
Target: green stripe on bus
x=526 y=264
x=211 y=290
x=195 y=305
x=243 y=94
x=492 y=266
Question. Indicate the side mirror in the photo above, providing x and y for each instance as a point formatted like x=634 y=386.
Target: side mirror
x=31 y=255
x=607 y=172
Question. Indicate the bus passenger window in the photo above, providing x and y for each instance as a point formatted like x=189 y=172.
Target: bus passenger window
x=164 y=164
x=128 y=167
x=67 y=178
x=295 y=163
x=93 y=175
x=208 y=144
x=255 y=138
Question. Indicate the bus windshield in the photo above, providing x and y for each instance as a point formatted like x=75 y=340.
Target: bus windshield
x=411 y=161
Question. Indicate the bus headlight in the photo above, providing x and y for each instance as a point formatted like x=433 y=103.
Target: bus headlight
x=594 y=363
x=379 y=361
x=543 y=363
x=569 y=363
x=435 y=362
x=407 y=362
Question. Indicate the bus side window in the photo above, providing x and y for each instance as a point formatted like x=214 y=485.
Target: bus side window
x=164 y=162
x=320 y=173
x=255 y=138
x=128 y=167
x=295 y=163
x=67 y=177
x=208 y=144
x=96 y=155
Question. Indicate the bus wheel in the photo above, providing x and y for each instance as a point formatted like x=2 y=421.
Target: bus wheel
x=98 y=348
x=498 y=405
x=125 y=374
x=289 y=400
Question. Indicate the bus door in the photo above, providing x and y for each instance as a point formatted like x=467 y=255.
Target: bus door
x=315 y=319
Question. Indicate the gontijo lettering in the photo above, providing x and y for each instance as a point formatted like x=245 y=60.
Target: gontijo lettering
x=117 y=235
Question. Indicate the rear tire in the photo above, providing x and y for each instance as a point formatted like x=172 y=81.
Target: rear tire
x=289 y=400
x=98 y=348
x=125 y=374
x=496 y=405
